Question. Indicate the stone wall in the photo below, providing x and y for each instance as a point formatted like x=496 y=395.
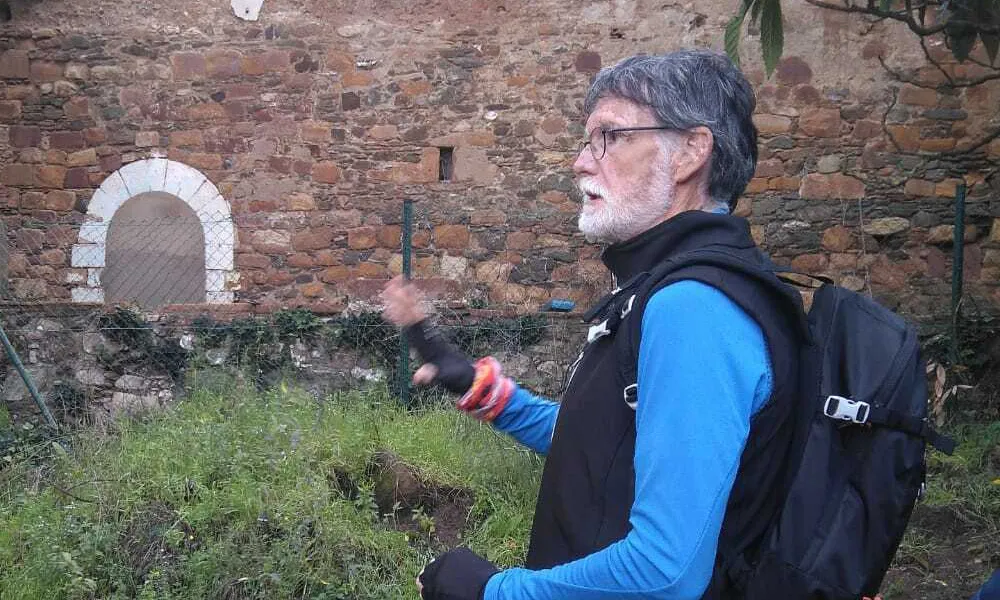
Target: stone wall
x=316 y=121
x=89 y=364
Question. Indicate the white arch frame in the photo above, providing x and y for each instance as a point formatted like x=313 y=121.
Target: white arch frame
x=174 y=178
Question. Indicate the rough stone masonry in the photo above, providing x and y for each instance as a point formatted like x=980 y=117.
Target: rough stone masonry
x=317 y=120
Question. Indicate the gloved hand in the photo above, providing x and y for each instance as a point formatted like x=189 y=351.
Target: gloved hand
x=455 y=371
x=458 y=574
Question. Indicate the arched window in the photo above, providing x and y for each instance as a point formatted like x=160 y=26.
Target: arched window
x=153 y=228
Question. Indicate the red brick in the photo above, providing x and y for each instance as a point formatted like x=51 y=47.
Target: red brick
x=820 y=122
x=825 y=187
x=67 y=140
x=784 y=183
x=772 y=167
x=368 y=270
x=83 y=158
x=95 y=135
x=864 y=129
x=906 y=136
x=336 y=274
x=207 y=162
x=14 y=64
x=207 y=111
x=918 y=187
x=792 y=70
x=300 y=260
x=810 y=263
x=59 y=200
x=77 y=107
x=50 y=176
x=45 y=71
x=223 y=64
x=312 y=290
x=315 y=131
x=317 y=238
x=300 y=201
x=52 y=257
x=426 y=171
x=10 y=110
x=187 y=65
x=451 y=236
x=77 y=178
x=252 y=261
x=272 y=61
x=362 y=238
x=389 y=236
x=22 y=136
x=109 y=163
x=192 y=138
x=756 y=186
x=488 y=217
x=917 y=96
x=838 y=238
x=937 y=144
x=18 y=174
x=29 y=239
x=772 y=124
x=326 y=172
x=520 y=240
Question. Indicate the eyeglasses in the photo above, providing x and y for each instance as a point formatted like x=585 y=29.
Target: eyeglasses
x=598 y=141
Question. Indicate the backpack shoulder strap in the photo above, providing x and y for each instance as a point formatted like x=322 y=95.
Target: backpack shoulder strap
x=709 y=265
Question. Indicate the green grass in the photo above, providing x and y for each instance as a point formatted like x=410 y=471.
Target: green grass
x=233 y=494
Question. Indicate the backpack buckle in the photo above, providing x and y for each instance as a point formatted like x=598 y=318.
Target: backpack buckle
x=631 y=395
x=845 y=409
x=598 y=331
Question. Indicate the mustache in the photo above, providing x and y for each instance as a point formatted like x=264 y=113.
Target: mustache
x=591 y=188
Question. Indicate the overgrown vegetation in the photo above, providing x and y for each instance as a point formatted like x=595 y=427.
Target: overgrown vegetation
x=236 y=493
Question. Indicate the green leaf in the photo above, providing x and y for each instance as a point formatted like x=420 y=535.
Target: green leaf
x=772 y=35
x=962 y=40
x=733 y=30
x=884 y=5
x=991 y=42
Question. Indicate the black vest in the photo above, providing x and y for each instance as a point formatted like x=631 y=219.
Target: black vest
x=587 y=485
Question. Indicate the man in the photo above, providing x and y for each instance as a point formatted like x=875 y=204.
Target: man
x=635 y=493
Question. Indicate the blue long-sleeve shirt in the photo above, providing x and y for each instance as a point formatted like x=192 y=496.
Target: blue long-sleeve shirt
x=704 y=371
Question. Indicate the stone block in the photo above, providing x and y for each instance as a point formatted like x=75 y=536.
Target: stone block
x=50 y=176
x=820 y=122
x=188 y=66
x=451 y=236
x=326 y=172
x=14 y=64
x=772 y=124
x=820 y=186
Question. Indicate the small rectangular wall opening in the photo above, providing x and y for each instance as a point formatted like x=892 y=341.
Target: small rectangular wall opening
x=446 y=165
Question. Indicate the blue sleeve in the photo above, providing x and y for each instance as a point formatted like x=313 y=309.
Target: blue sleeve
x=703 y=371
x=528 y=419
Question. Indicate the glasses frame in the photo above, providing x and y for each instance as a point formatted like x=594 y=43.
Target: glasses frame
x=604 y=138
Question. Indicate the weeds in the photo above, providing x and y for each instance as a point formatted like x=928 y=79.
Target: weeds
x=247 y=494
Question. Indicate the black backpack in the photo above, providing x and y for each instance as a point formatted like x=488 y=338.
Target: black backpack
x=856 y=465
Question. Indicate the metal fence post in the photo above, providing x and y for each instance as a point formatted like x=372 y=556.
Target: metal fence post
x=957 y=269
x=14 y=358
x=404 y=346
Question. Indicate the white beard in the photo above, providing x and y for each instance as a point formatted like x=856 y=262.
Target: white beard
x=619 y=218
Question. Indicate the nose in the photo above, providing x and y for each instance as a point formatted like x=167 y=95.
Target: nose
x=585 y=163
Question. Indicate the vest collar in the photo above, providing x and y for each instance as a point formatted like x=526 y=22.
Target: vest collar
x=680 y=233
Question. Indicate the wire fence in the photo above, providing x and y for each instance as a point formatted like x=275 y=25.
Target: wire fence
x=120 y=317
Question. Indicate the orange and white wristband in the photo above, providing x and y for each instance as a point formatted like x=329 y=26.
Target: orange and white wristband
x=489 y=393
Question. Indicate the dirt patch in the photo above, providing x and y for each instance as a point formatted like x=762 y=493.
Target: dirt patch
x=432 y=513
x=945 y=558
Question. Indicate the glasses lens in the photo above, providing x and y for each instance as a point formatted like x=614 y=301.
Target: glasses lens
x=597 y=143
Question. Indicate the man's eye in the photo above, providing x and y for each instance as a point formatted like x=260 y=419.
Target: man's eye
x=612 y=135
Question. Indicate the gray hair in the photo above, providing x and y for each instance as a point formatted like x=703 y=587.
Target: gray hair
x=687 y=89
